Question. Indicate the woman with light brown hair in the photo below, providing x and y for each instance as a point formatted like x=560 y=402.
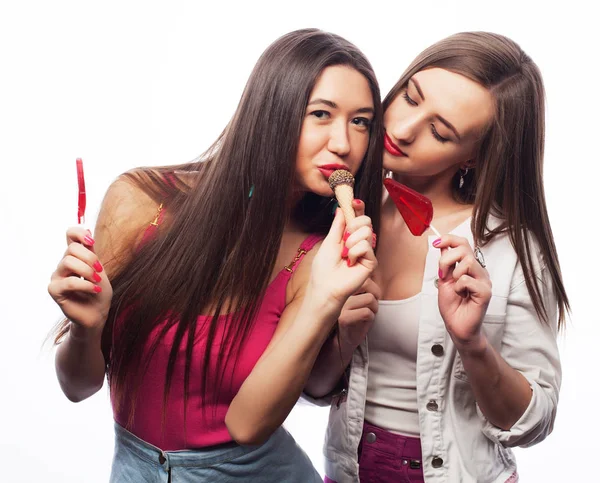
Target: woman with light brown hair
x=209 y=288
x=461 y=362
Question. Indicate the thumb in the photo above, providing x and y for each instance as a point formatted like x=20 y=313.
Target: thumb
x=359 y=207
x=336 y=232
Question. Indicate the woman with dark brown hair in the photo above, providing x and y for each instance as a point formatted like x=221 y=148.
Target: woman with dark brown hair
x=461 y=361
x=203 y=296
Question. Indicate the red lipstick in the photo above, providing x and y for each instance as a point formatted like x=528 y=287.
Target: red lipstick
x=328 y=169
x=391 y=148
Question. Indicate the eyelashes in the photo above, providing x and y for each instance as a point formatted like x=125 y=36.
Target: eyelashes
x=434 y=132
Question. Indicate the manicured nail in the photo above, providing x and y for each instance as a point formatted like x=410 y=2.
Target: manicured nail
x=97 y=289
x=97 y=266
x=89 y=240
x=374 y=240
x=437 y=242
x=346 y=235
x=344 y=252
x=440 y=274
x=348 y=262
x=96 y=277
x=357 y=201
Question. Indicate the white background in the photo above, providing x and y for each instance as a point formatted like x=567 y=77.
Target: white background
x=129 y=83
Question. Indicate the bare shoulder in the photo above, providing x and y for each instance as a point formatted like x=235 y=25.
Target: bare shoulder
x=301 y=276
x=125 y=212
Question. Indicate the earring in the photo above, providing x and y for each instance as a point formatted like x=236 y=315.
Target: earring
x=251 y=191
x=461 y=181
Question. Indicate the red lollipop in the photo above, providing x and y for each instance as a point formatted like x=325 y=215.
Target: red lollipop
x=81 y=199
x=415 y=208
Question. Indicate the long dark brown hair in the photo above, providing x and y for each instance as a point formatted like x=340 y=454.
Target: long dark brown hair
x=506 y=179
x=219 y=246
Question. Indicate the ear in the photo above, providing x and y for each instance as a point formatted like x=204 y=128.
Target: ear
x=468 y=165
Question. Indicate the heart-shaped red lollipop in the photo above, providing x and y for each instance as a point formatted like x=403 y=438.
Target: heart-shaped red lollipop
x=415 y=208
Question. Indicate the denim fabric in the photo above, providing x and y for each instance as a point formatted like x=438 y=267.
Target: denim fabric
x=280 y=459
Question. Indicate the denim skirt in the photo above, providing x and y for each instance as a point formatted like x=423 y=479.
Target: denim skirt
x=280 y=459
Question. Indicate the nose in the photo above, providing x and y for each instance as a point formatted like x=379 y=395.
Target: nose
x=405 y=129
x=339 y=139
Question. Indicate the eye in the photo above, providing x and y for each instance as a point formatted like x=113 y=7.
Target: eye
x=437 y=135
x=320 y=114
x=362 y=122
x=408 y=99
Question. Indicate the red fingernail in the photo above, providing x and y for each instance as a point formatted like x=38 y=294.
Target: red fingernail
x=437 y=242
x=357 y=201
x=97 y=266
x=346 y=235
x=89 y=240
x=97 y=289
x=348 y=262
x=96 y=277
x=374 y=240
x=440 y=273
x=344 y=252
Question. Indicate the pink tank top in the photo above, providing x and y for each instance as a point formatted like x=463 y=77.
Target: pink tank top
x=203 y=427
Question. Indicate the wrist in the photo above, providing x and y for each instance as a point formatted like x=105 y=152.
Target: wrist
x=83 y=334
x=326 y=307
x=474 y=348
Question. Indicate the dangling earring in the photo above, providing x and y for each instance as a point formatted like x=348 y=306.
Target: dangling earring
x=461 y=181
x=251 y=191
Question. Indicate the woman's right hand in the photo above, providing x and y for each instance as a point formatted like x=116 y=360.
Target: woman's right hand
x=79 y=284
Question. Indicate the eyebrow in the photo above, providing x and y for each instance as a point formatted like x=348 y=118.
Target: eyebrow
x=333 y=105
x=445 y=122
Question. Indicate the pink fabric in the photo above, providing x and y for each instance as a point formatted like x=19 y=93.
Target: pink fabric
x=205 y=421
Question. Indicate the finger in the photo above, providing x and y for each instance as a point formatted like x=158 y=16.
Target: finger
x=363 y=300
x=336 y=231
x=371 y=287
x=451 y=241
x=85 y=254
x=81 y=235
x=362 y=252
x=449 y=259
x=70 y=285
x=359 y=207
x=467 y=286
x=71 y=266
x=362 y=233
x=359 y=222
x=469 y=266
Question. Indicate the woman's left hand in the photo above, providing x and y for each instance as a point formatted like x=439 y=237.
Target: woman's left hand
x=464 y=291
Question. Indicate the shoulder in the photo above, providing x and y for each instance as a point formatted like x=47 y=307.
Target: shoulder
x=125 y=212
x=301 y=274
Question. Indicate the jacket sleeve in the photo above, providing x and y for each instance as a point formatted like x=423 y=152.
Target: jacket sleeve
x=529 y=346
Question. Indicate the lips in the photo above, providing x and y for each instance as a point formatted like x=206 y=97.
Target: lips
x=390 y=147
x=328 y=169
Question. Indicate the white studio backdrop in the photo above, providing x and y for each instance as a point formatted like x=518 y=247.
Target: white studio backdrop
x=129 y=83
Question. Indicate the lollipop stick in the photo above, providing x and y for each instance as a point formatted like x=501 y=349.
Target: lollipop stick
x=435 y=231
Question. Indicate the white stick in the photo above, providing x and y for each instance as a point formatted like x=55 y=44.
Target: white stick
x=435 y=231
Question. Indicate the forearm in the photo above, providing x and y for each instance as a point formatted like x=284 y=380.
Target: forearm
x=80 y=364
x=501 y=392
x=329 y=367
x=276 y=382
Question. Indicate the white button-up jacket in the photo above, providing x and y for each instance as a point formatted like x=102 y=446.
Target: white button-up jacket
x=454 y=429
